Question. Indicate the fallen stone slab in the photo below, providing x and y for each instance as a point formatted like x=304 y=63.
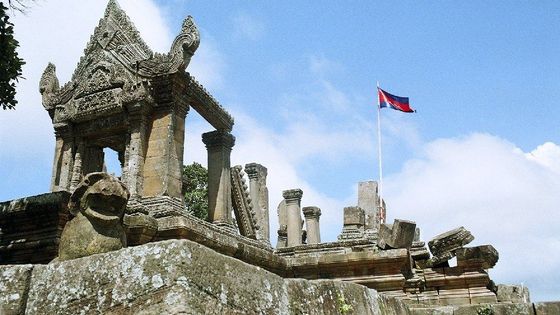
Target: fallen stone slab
x=398 y=235
x=484 y=256
x=443 y=246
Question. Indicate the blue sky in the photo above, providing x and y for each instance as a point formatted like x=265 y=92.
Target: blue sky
x=299 y=77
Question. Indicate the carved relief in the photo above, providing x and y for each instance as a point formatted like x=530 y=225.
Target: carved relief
x=178 y=58
x=242 y=207
x=49 y=86
x=98 y=204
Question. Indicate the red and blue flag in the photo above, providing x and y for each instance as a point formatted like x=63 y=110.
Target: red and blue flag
x=395 y=102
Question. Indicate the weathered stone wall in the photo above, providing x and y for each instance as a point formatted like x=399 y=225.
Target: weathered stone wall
x=171 y=277
x=183 y=277
x=30 y=227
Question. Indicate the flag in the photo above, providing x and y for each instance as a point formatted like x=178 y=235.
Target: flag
x=395 y=102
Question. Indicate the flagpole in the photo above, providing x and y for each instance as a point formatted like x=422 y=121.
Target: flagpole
x=379 y=147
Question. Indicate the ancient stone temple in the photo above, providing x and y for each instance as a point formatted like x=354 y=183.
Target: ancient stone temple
x=129 y=245
x=125 y=97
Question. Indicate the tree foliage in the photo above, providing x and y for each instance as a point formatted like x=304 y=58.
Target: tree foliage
x=10 y=63
x=195 y=189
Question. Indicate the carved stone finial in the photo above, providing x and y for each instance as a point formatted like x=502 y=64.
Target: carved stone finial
x=48 y=86
x=254 y=170
x=292 y=194
x=98 y=204
x=186 y=43
x=311 y=212
x=218 y=138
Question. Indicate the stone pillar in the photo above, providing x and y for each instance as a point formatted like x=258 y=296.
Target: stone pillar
x=282 y=225
x=77 y=169
x=259 y=196
x=312 y=215
x=219 y=144
x=135 y=152
x=293 y=201
x=162 y=175
x=63 y=164
x=368 y=199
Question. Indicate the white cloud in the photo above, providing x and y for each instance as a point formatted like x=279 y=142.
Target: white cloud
x=256 y=143
x=504 y=197
x=247 y=26
x=547 y=154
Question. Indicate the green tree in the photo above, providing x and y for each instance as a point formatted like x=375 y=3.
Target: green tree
x=195 y=189
x=10 y=63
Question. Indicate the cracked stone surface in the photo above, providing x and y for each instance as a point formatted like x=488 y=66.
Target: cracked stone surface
x=178 y=277
x=14 y=284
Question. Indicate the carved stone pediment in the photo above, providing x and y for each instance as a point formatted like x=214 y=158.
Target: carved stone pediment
x=116 y=70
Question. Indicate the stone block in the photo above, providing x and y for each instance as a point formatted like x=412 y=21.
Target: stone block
x=547 y=308
x=31 y=227
x=354 y=216
x=454 y=297
x=450 y=241
x=443 y=246
x=481 y=295
x=484 y=256
x=400 y=235
x=353 y=227
x=495 y=309
x=383 y=235
x=513 y=293
x=139 y=228
x=419 y=251
x=440 y=310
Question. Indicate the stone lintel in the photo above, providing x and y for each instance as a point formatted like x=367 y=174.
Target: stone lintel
x=292 y=195
x=311 y=212
x=255 y=170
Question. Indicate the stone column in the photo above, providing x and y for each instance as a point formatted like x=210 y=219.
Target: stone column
x=282 y=225
x=312 y=215
x=162 y=175
x=77 y=169
x=293 y=201
x=219 y=144
x=63 y=164
x=135 y=152
x=259 y=195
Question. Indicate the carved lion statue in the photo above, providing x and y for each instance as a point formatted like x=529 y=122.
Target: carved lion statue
x=98 y=206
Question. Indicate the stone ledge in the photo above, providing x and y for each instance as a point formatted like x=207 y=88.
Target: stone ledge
x=172 y=277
